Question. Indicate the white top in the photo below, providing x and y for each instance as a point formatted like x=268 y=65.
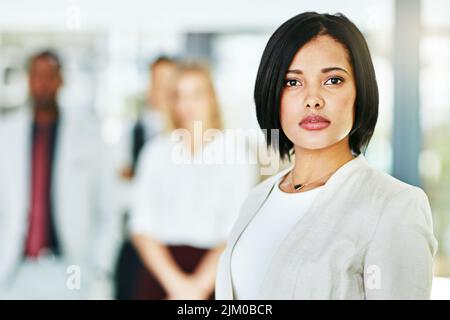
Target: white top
x=260 y=240
x=153 y=123
x=187 y=203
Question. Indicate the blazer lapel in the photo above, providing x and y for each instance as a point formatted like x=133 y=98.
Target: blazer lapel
x=248 y=211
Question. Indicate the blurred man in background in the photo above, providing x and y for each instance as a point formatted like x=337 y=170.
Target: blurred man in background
x=59 y=227
x=150 y=123
x=152 y=120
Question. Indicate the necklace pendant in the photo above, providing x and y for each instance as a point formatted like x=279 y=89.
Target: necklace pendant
x=299 y=186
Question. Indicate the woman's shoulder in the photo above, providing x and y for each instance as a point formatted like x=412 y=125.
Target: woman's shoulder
x=398 y=204
x=397 y=194
x=377 y=183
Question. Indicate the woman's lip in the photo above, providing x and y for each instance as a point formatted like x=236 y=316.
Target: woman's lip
x=314 y=118
x=314 y=125
x=314 y=122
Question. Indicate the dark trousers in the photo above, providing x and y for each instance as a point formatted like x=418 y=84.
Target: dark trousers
x=128 y=266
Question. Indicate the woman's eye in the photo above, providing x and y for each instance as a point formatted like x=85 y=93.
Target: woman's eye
x=292 y=83
x=334 y=80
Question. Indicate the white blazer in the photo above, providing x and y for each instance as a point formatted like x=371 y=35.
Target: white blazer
x=367 y=235
x=84 y=212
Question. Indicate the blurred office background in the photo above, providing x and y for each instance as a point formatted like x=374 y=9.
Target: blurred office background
x=107 y=46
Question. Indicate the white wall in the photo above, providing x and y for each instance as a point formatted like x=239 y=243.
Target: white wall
x=50 y=15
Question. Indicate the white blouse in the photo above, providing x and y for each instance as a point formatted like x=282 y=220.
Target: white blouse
x=260 y=240
x=182 y=203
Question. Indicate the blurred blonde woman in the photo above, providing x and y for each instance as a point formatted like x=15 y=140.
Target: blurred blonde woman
x=182 y=208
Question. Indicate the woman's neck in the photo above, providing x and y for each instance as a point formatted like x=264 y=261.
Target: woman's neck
x=196 y=131
x=196 y=141
x=311 y=165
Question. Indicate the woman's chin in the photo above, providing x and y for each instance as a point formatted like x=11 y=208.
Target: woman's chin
x=314 y=145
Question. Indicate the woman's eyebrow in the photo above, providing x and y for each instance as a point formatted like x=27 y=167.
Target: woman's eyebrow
x=324 y=70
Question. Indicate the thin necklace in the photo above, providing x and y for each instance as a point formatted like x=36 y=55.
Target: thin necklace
x=300 y=186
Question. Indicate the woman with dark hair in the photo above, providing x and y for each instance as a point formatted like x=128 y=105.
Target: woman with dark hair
x=331 y=226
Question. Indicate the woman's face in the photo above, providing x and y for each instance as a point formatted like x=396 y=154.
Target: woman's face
x=319 y=82
x=192 y=100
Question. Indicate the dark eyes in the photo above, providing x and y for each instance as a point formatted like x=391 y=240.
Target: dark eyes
x=331 y=81
x=292 y=83
x=334 y=80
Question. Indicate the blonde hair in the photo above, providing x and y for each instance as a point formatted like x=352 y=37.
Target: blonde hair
x=202 y=69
